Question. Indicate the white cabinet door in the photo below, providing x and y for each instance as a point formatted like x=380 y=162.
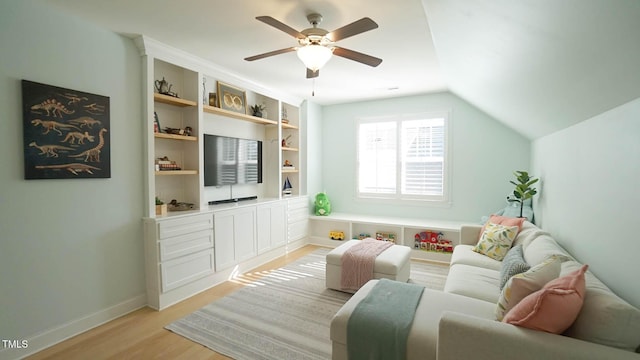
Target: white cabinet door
x=263 y=228
x=244 y=223
x=278 y=224
x=271 y=230
x=224 y=240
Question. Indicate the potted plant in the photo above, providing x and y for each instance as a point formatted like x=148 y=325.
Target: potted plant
x=257 y=110
x=523 y=190
x=161 y=207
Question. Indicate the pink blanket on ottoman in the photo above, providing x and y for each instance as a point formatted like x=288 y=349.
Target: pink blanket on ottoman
x=358 y=262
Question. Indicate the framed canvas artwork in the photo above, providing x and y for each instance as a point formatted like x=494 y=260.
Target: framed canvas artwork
x=232 y=98
x=66 y=133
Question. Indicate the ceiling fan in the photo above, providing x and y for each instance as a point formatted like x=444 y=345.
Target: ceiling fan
x=316 y=45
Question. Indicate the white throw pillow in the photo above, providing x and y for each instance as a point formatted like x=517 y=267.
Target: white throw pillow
x=523 y=284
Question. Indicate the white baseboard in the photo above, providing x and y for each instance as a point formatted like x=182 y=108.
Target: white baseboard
x=60 y=333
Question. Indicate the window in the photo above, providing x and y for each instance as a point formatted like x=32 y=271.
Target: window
x=403 y=158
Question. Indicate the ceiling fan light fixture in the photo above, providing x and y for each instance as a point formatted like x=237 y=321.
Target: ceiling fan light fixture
x=314 y=56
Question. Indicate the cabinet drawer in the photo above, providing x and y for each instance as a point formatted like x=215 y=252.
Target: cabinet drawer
x=294 y=215
x=184 y=225
x=298 y=203
x=185 y=244
x=298 y=230
x=183 y=270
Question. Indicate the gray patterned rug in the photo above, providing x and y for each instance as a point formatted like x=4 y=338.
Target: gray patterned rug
x=282 y=313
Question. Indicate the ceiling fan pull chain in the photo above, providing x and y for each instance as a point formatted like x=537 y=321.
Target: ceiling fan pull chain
x=313 y=87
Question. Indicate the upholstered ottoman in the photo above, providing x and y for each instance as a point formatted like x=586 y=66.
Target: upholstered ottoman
x=393 y=264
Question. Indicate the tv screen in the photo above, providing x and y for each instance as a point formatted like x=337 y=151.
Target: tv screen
x=229 y=161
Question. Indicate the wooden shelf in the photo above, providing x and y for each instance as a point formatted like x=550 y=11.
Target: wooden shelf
x=238 y=116
x=289 y=171
x=288 y=126
x=286 y=148
x=174 y=137
x=170 y=100
x=177 y=172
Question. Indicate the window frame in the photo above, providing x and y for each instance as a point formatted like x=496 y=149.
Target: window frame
x=398 y=197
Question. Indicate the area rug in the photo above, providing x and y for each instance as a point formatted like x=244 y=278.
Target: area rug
x=282 y=313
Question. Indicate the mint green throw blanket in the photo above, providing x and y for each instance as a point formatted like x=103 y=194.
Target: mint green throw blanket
x=379 y=325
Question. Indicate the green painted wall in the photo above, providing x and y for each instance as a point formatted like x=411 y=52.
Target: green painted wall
x=69 y=248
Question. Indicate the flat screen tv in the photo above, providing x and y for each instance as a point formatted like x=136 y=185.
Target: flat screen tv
x=230 y=161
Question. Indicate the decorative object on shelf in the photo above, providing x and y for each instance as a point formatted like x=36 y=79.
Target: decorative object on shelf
x=432 y=241
x=232 y=98
x=336 y=235
x=256 y=110
x=386 y=236
x=286 y=188
x=213 y=99
x=523 y=190
x=205 y=99
x=323 y=205
x=362 y=236
x=174 y=205
x=285 y=141
x=285 y=116
x=65 y=133
x=164 y=88
x=164 y=164
x=161 y=207
x=288 y=165
x=177 y=131
x=156 y=123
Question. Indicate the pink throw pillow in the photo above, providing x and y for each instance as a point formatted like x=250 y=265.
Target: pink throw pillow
x=503 y=220
x=554 y=307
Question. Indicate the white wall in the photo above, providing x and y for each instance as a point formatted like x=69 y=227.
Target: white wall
x=71 y=250
x=484 y=155
x=589 y=194
x=314 y=145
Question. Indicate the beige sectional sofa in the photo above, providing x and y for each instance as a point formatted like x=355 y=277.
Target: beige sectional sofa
x=461 y=321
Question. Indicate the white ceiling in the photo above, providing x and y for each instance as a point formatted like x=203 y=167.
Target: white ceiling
x=536 y=65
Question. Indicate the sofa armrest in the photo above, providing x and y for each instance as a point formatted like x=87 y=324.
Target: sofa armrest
x=462 y=336
x=469 y=234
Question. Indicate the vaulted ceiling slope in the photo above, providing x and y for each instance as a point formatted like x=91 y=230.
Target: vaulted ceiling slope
x=536 y=65
x=539 y=65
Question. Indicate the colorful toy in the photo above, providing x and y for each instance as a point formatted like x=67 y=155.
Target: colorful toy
x=336 y=235
x=386 y=236
x=323 y=206
x=363 y=236
x=432 y=241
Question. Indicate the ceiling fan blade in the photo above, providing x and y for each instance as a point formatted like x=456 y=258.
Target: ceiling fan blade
x=281 y=26
x=357 y=56
x=312 y=74
x=355 y=28
x=270 y=53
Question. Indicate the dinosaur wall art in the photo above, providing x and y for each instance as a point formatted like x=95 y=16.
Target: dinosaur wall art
x=61 y=127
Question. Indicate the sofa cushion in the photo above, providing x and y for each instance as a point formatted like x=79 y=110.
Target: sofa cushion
x=472 y=281
x=521 y=285
x=423 y=335
x=464 y=254
x=605 y=318
x=541 y=247
x=496 y=240
x=528 y=233
x=512 y=264
x=554 y=307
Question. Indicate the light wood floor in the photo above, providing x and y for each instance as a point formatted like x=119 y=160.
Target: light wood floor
x=141 y=334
